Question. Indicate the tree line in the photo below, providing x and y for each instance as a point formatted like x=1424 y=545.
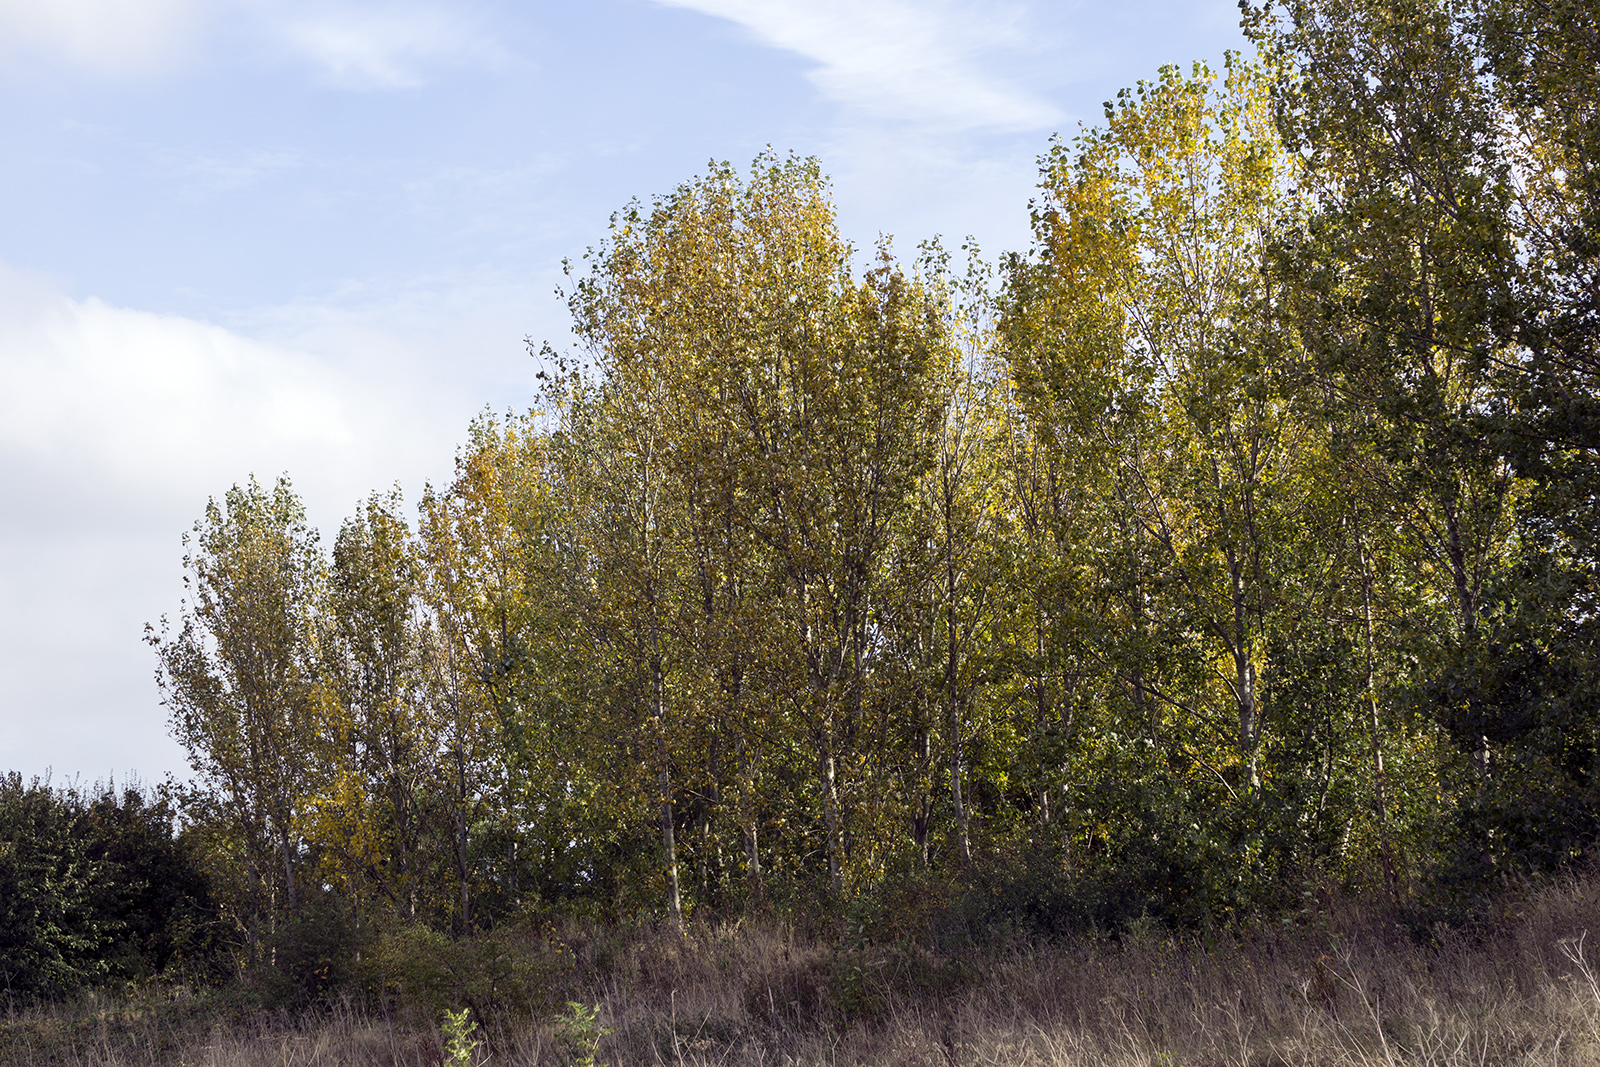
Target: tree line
x=1238 y=536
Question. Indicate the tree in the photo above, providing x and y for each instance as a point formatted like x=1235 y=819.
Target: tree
x=632 y=529
x=52 y=935
x=1150 y=360
x=379 y=737
x=1534 y=685
x=1397 y=276
x=475 y=633
x=240 y=677
x=1428 y=284
x=746 y=369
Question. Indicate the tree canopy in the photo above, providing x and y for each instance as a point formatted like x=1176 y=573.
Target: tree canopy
x=1240 y=534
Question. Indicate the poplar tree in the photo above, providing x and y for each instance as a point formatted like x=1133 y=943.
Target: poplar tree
x=240 y=677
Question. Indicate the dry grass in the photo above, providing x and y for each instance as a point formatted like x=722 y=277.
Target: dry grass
x=1346 y=988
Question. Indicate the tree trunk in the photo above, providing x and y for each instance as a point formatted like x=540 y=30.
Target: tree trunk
x=290 y=896
x=951 y=681
x=748 y=828
x=669 y=841
x=463 y=867
x=752 y=862
x=669 y=848
x=1380 y=804
x=924 y=810
x=1244 y=684
x=830 y=814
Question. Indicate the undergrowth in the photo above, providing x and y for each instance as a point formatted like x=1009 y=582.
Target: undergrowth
x=1338 y=984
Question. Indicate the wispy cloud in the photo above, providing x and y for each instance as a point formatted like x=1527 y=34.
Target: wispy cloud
x=226 y=173
x=387 y=46
x=367 y=44
x=109 y=37
x=894 y=59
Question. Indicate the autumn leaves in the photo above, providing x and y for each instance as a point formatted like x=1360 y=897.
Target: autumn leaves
x=1137 y=558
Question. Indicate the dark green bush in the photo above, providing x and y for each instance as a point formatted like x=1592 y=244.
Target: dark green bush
x=95 y=887
x=311 y=953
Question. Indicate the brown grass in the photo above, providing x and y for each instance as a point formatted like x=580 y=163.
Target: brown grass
x=1342 y=987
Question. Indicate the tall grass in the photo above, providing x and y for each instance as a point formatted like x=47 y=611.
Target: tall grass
x=1342 y=985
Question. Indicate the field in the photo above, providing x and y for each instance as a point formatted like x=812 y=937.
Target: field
x=1341 y=984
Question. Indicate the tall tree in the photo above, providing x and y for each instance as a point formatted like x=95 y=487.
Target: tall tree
x=1397 y=278
x=379 y=733
x=1409 y=283
x=727 y=317
x=1150 y=359
x=240 y=675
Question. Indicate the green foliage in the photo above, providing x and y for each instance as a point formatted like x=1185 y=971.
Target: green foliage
x=579 y=1030
x=240 y=679
x=419 y=972
x=460 y=1048
x=51 y=936
x=1444 y=286
x=1240 y=536
x=308 y=955
x=94 y=886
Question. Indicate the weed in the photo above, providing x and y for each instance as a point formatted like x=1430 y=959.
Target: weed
x=460 y=1048
x=1350 y=989
x=580 y=1031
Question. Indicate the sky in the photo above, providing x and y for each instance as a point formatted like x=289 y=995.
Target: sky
x=311 y=237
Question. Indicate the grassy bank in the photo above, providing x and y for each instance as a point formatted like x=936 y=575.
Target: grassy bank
x=1342 y=984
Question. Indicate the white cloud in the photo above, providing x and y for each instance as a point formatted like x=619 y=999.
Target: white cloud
x=895 y=59
x=363 y=45
x=116 y=425
x=106 y=36
x=98 y=398
x=383 y=47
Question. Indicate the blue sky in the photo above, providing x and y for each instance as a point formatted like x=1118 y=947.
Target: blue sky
x=246 y=236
